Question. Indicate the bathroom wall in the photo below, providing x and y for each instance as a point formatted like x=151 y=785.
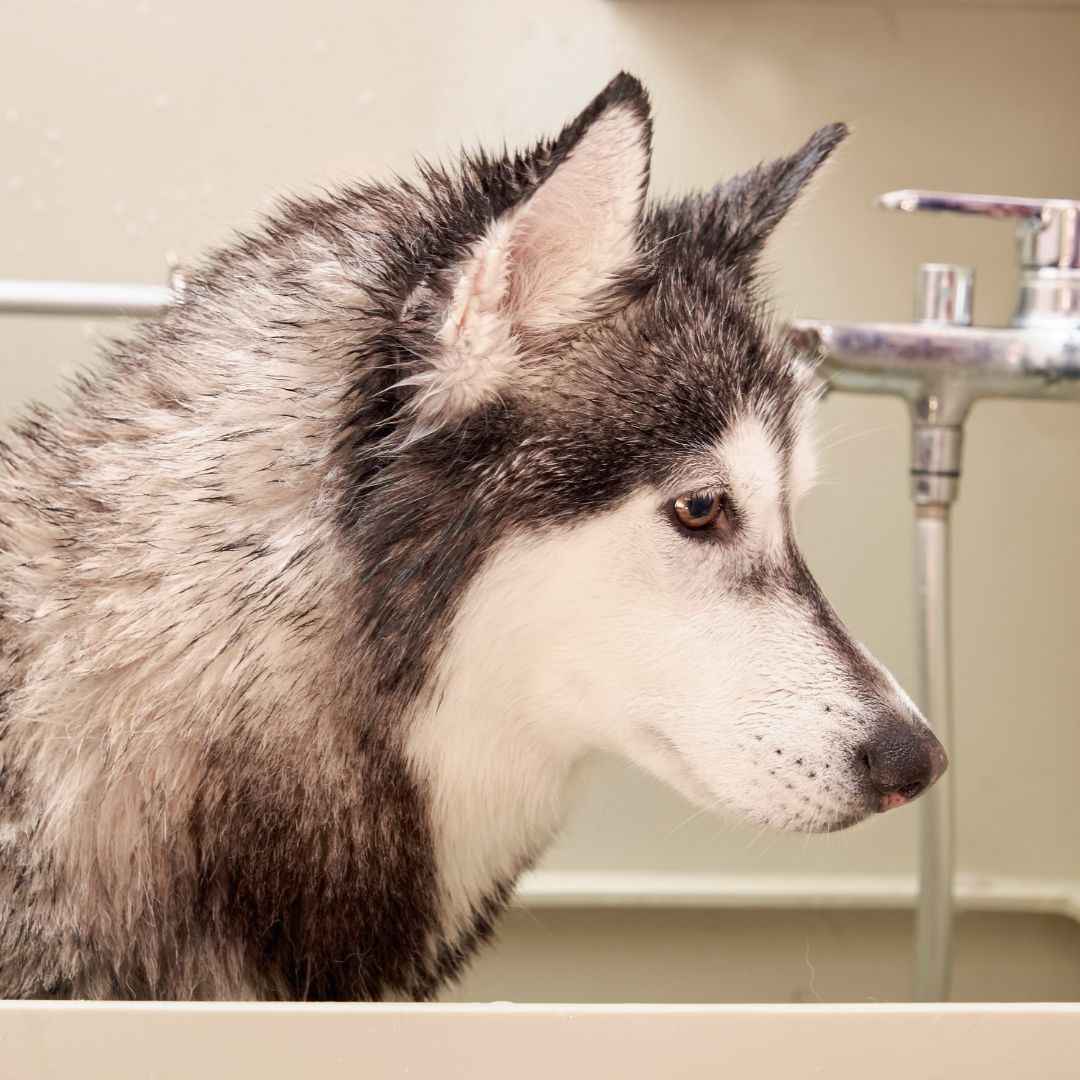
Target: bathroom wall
x=129 y=129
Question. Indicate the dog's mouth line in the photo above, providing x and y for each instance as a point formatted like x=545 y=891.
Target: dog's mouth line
x=697 y=787
x=846 y=822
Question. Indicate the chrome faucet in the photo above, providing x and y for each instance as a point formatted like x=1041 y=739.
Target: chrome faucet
x=941 y=365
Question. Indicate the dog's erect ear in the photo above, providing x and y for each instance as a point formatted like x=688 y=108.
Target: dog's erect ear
x=549 y=260
x=741 y=213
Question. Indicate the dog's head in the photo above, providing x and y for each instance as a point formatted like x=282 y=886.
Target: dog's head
x=596 y=450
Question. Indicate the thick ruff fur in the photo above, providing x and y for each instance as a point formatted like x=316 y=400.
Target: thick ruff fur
x=314 y=597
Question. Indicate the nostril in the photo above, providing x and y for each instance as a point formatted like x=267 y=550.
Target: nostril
x=909 y=791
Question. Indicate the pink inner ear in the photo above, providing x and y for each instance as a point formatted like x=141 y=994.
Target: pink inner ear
x=578 y=232
x=539 y=266
x=484 y=287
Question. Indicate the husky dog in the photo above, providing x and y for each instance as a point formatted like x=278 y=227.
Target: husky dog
x=315 y=596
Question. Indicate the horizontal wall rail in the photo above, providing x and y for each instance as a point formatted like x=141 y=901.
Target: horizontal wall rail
x=885 y=892
x=83 y=298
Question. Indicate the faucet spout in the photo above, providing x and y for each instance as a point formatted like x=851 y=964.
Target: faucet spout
x=952 y=365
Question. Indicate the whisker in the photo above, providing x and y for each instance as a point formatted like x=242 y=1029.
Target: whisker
x=858 y=435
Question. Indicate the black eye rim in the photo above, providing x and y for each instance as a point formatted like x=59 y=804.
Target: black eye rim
x=720 y=526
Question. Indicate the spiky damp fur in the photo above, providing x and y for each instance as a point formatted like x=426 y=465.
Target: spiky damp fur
x=258 y=737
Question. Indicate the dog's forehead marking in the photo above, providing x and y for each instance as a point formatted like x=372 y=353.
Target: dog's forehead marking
x=751 y=462
x=753 y=469
x=754 y=464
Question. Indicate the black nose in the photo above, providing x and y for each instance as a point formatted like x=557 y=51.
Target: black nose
x=902 y=760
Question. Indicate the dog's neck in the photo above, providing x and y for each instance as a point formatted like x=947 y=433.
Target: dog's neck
x=497 y=795
x=497 y=738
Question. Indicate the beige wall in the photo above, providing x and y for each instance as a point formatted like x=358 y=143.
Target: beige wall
x=130 y=128
x=683 y=956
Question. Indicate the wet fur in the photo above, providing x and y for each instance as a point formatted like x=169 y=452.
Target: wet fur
x=233 y=563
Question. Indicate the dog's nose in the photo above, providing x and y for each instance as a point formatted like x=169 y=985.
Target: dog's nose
x=902 y=761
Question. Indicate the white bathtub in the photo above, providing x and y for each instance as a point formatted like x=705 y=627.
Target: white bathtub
x=92 y=1041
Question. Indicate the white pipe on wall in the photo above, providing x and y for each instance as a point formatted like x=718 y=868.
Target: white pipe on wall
x=882 y=892
x=83 y=298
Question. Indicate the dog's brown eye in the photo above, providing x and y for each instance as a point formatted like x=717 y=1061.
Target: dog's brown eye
x=699 y=509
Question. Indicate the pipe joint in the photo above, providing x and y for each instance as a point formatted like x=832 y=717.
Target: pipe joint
x=935 y=463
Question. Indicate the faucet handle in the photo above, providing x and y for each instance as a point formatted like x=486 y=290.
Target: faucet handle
x=1048 y=230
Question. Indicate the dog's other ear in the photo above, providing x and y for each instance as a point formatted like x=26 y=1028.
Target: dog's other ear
x=740 y=214
x=551 y=259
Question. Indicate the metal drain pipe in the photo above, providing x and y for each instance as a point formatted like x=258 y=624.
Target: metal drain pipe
x=934 y=908
x=942 y=298
x=935 y=476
